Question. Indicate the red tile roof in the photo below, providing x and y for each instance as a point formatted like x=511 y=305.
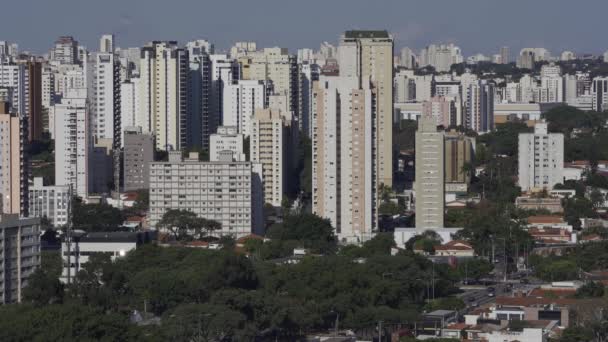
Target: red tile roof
x=592 y=237
x=545 y=219
x=458 y=326
x=458 y=245
x=249 y=237
x=560 y=293
x=531 y=301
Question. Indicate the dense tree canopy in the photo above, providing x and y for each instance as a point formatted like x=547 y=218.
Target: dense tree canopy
x=212 y=295
x=95 y=217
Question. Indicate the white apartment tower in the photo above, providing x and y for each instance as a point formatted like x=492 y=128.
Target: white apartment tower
x=345 y=181
x=103 y=78
x=13 y=77
x=65 y=51
x=52 y=202
x=241 y=99
x=480 y=107
x=226 y=145
x=368 y=56
x=130 y=115
x=163 y=93
x=599 y=92
x=224 y=72
x=430 y=180
x=541 y=158
x=72 y=141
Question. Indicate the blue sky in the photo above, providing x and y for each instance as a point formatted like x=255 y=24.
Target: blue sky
x=475 y=25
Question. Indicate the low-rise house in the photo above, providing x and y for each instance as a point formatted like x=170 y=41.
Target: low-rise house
x=591 y=238
x=552 y=235
x=551 y=204
x=548 y=221
x=457 y=248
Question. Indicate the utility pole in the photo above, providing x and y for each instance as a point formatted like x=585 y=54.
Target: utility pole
x=379 y=331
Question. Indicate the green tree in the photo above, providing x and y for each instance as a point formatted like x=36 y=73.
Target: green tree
x=446 y=303
x=95 y=217
x=591 y=290
x=474 y=269
x=203 y=322
x=184 y=224
x=311 y=231
x=576 y=334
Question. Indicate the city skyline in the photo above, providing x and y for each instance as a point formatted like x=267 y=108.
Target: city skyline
x=413 y=23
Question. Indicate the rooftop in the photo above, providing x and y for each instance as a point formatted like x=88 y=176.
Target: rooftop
x=352 y=34
x=545 y=219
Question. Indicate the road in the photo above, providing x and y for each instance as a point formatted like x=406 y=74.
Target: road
x=479 y=297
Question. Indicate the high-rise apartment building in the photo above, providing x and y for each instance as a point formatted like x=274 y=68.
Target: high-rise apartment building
x=65 y=51
x=34 y=113
x=459 y=151
x=69 y=76
x=405 y=86
x=220 y=191
x=280 y=69
x=106 y=43
x=103 y=77
x=227 y=145
x=309 y=73
x=241 y=99
x=368 y=56
x=541 y=158
x=599 y=92
x=270 y=143
x=408 y=58
x=50 y=201
x=20 y=250
x=8 y=49
x=430 y=179
x=138 y=154
x=505 y=55
x=480 y=107
x=345 y=169
x=441 y=108
x=224 y=72
x=163 y=93
x=200 y=123
x=13 y=78
x=526 y=60
x=13 y=170
x=23 y=80
x=72 y=141
x=441 y=56
x=130 y=115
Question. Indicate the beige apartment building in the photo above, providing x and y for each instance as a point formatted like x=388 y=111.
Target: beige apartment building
x=459 y=150
x=162 y=94
x=344 y=182
x=13 y=174
x=269 y=145
x=278 y=66
x=368 y=56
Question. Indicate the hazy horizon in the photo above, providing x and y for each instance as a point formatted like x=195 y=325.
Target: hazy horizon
x=477 y=26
